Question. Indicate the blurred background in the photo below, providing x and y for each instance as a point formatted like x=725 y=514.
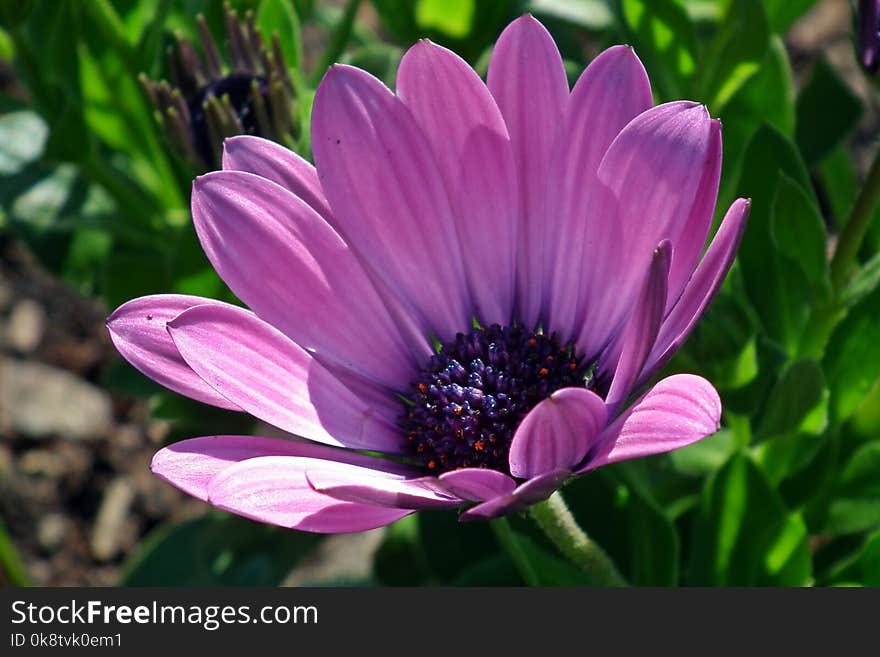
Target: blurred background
x=109 y=108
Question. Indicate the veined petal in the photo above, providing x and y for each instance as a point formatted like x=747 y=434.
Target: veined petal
x=557 y=433
x=701 y=289
x=536 y=489
x=677 y=411
x=612 y=91
x=477 y=484
x=191 y=465
x=280 y=165
x=274 y=489
x=527 y=78
x=467 y=133
x=137 y=329
x=641 y=331
x=363 y=486
x=294 y=271
x=647 y=186
x=388 y=197
x=268 y=375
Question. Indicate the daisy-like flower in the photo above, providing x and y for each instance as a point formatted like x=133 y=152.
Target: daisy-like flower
x=457 y=305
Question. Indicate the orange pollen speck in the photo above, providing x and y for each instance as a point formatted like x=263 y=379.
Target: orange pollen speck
x=479 y=445
x=431 y=465
x=543 y=371
x=532 y=342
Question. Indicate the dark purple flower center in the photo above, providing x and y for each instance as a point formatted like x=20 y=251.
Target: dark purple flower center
x=237 y=86
x=466 y=404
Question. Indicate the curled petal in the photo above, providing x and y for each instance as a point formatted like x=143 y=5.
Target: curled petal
x=280 y=165
x=362 y=485
x=536 y=489
x=137 y=329
x=701 y=289
x=477 y=484
x=274 y=489
x=556 y=434
x=271 y=377
x=677 y=411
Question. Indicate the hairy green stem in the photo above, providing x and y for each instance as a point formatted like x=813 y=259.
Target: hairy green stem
x=854 y=232
x=825 y=317
x=554 y=518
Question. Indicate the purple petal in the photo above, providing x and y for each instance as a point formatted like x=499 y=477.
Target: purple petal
x=557 y=433
x=292 y=269
x=641 y=331
x=609 y=94
x=388 y=197
x=274 y=379
x=190 y=465
x=646 y=188
x=280 y=165
x=274 y=489
x=477 y=484
x=528 y=81
x=677 y=411
x=459 y=117
x=531 y=492
x=137 y=329
x=363 y=486
x=701 y=289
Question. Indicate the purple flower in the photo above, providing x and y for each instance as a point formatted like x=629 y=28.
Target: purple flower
x=471 y=286
x=869 y=34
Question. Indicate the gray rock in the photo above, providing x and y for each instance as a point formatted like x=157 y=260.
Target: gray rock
x=343 y=558
x=109 y=531
x=26 y=326
x=39 y=401
x=51 y=530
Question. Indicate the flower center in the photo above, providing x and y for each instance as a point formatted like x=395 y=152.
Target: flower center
x=238 y=87
x=466 y=404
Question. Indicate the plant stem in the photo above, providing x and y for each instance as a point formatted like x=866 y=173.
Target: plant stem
x=854 y=232
x=338 y=40
x=554 y=518
x=514 y=550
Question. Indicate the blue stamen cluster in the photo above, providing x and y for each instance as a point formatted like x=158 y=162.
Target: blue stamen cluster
x=466 y=404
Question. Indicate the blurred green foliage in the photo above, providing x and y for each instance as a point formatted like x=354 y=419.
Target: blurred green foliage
x=788 y=493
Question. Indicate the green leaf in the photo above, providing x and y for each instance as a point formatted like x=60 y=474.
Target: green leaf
x=837 y=178
x=863 y=567
x=12 y=571
x=783 y=13
x=766 y=97
x=451 y=546
x=798 y=391
x=616 y=512
x=217 y=550
x=862 y=283
x=735 y=54
x=775 y=284
x=400 y=558
x=452 y=17
x=827 y=111
x=745 y=536
x=852 y=357
x=552 y=570
x=798 y=231
x=705 y=456
x=665 y=40
x=589 y=14
x=279 y=17
x=855 y=506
